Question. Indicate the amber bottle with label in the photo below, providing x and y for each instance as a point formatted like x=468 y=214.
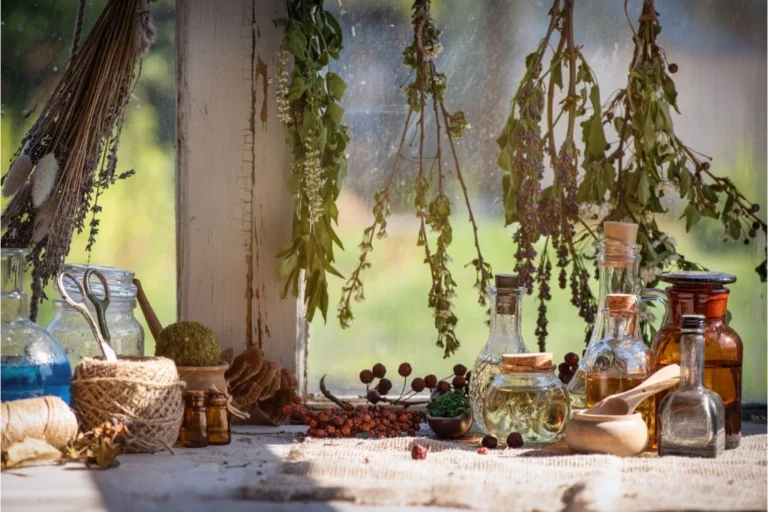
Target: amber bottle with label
x=194 y=428
x=704 y=293
x=219 y=429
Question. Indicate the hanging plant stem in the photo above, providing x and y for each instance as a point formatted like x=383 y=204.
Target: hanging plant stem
x=432 y=212
x=307 y=104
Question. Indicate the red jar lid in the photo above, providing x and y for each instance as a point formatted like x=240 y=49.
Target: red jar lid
x=698 y=278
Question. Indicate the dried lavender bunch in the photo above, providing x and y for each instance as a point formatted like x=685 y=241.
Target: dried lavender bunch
x=432 y=212
x=73 y=144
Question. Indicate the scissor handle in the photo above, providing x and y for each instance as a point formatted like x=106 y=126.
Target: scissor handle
x=100 y=305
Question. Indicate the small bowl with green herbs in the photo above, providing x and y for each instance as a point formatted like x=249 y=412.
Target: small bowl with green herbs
x=449 y=415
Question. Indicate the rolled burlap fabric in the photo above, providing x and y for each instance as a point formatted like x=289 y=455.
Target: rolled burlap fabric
x=48 y=418
x=145 y=390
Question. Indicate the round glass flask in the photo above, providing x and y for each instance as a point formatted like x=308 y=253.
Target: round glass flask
x=72 y=330
x=33 y=362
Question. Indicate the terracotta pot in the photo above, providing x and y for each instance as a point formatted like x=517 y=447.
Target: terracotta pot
x=202 y=378
x=450 y=428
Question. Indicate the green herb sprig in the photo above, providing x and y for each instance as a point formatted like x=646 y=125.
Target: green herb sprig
x=449 y=405
x=308 y=106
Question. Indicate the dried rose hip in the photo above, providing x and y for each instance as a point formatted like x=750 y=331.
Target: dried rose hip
x=515 y=440
x=490 y=442
x=374 y=396
x=459 y=370
x=459 y=382
x=443 y=386
x=384 y=386
x=366 y=376
x=418 y=452
x=571 y=359
x=404 y=370
x=379 y=370
x=430 y=381
x=482 y=450
x=418 y=384
x=672 y=68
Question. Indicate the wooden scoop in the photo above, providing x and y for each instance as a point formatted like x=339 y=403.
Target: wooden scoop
x=622 y=404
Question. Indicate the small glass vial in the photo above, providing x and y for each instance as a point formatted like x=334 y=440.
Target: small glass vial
x=219 y=428
x=527 y=398
x=692 y=419
x=505 y=338
x=194 y=428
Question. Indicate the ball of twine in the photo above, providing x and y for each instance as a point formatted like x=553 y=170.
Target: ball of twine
x=145 y=390
x=47 y=418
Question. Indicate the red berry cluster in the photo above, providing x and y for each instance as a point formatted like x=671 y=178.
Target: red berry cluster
x=376 y=391
x=374 y=421
x=567 y=369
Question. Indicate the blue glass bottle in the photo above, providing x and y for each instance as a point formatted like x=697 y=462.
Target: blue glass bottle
x=32 y=362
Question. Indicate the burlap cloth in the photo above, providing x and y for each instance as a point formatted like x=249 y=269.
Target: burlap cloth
x=381 y=472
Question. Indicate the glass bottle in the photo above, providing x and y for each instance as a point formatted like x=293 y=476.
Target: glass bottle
x=620 y=361
x=71 y=329
x=692 y=419
x=219 y=428
x=618 y=262
x=704 y=293
x=33 y=362
x=505 y=338
x=528 y=399
x=194 y=427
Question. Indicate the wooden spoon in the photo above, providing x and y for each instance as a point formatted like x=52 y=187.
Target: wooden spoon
x=622 y=404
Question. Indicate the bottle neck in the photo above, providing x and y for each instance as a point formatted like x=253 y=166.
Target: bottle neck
x=710 y=301
x=14 y=308
x=620 y=326
x=615 y=277
x=691 y=360
x=506 y=314
x=14 y=300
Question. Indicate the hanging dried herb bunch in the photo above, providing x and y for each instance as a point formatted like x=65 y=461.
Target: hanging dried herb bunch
x=69 y=156
x=307 y=104
x=633 y=181
x=431 y=211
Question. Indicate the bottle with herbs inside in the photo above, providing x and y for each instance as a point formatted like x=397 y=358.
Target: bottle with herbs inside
x=691 y=420
x=704 y=293
x=620 y=361
x=618 y=262
x=505 y=338
x=219 y=427
x=194 y=427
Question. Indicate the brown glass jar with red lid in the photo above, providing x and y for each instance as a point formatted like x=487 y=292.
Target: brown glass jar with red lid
x=704 y=293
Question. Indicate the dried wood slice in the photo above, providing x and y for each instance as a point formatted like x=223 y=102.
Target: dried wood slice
x=533 y=360
x=245 y=365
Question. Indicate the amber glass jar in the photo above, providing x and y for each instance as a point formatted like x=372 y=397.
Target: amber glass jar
x=704 y=293
x=219 y=430
x=194 y=428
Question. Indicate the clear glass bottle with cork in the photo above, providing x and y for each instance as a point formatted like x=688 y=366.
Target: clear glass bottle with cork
x=619 y=361
x=505 y=338
x=618 y=262
x=691 y=421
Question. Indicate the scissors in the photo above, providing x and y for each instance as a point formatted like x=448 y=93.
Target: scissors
x=98 y=326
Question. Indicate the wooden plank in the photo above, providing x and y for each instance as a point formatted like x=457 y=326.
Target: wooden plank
x=233 y=209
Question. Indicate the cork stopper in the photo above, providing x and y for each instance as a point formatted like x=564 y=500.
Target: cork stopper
x=527 y=362
x=507 y=281
x=624 y=232
x=620 y=237
x=621 y=302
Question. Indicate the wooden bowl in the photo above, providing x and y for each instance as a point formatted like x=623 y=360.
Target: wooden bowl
x=622 y=435
x=202 y=378
x=450 y=428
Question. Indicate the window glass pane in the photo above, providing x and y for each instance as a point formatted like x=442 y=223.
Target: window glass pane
x=137 y=228
x=720 y=48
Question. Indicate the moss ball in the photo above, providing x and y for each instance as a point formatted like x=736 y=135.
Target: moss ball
x=188 y=344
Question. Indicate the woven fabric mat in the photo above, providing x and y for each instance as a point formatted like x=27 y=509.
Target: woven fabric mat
x=381 y=472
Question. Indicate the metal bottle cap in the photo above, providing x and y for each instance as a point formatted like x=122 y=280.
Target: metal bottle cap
x=692 y=322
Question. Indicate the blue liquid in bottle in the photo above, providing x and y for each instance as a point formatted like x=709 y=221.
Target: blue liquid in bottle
x=20 y=378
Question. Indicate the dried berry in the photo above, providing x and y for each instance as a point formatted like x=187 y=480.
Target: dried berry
x=404 y=370
x=672 y=68
x=564 y=368
x=379 y=370
x=482 y=450
x=756 y=225
x=374 y=396
x=297 y=399
x=384 y=386
x=755 y=208
x=296 y=409
x=443 y=386
x=331 y=430
x=515 y=440
x=418 y=384
x=704 y=166
x=366 y=376
x=459 y=382
x=459 y=370
x=431 y=381
x=490 y=442
x=571 y=359
x=287 y=410
x=418 y=452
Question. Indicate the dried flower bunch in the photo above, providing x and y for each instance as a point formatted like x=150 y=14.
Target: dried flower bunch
x=307 y=104
x=435 y=211
x=632 y=181
x=101 y=446
x=69 y=156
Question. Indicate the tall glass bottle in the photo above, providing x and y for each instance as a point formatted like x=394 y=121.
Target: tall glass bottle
x=505 y=338
x=33 y=362
x=691 y=421
x=618 y=262
x=704 y=293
